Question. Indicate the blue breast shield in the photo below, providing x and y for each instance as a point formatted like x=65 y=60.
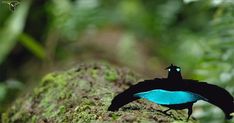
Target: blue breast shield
x=165 y=97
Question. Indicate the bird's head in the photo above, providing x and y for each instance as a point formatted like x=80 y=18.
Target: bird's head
x=174 y=72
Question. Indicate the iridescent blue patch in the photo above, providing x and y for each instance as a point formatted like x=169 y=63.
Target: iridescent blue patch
x=165 y=97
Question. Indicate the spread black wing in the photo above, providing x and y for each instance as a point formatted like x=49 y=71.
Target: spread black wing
x=128 y=95
x=215 y=95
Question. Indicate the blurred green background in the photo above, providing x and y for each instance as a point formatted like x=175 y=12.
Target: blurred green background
x=146 y=36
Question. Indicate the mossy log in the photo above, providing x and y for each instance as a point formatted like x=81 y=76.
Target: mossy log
x=83 y=94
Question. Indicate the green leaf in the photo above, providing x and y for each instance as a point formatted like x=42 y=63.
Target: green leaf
x=12 y=28
x=32 y=45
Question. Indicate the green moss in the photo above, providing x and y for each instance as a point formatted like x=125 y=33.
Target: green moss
x=83 y=94
x=111 y=74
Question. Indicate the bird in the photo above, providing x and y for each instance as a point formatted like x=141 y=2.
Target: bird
x=176 y=93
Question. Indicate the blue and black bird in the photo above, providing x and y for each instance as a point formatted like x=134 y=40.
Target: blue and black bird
x=176 y=93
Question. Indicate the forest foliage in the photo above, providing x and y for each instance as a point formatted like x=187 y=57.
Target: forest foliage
x=42 y=36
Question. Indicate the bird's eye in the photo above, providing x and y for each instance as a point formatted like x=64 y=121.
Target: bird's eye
x=178 y=69
x=169 y=69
